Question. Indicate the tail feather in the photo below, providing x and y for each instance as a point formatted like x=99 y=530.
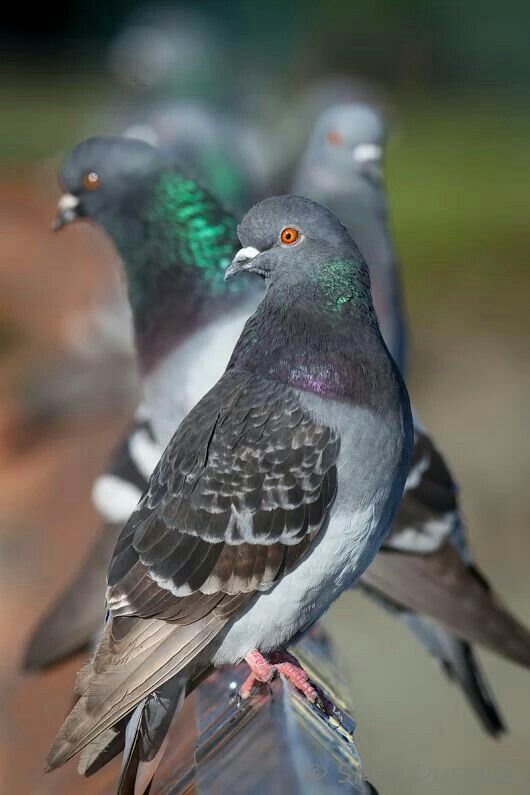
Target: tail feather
x=458 y=661
x=455 y=657
x=454 y=594
x=125 y=674
x=145 y=736
x=103 y=749
x=76 y=617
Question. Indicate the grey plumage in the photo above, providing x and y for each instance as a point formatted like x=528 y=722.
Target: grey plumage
x=343 y=169
x=174 y=249
x=145 y=736
x=220 y=150
x=275 y=492
x=428 y=517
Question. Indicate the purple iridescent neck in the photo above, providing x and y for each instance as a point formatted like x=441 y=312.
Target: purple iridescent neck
x=321 y=380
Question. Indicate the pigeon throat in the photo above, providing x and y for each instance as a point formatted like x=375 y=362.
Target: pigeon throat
x=330 y=348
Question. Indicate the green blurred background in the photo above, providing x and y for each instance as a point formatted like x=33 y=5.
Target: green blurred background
x=454 y=78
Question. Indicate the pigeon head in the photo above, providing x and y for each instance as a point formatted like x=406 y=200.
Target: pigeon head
x=309 y=262
x=284 y=236
x=101 y=172
x=317 y=315
x=173 y=237
x=348 y=142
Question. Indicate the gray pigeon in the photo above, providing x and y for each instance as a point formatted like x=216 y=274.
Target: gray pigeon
x=272 y=497
x=342 y=169
x=175 y=241
x=194 y=322
x=425 y=567
x=220 y=150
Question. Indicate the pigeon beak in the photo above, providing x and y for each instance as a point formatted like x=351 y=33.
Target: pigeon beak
x=367 y=153
x=241 y=262
x=66 y=211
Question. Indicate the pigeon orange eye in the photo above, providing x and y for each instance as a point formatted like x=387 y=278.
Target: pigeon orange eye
x=334 y=138
x=289 y=235
x=91 y=180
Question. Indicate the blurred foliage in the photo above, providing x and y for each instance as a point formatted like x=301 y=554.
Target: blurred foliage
x=455 y=74
x=479 y=42
x=457 y=172
x=459 y=187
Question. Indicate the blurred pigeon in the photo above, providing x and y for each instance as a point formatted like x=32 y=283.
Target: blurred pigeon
x=342 y=169
x=291 y=122
x=175 y=241
x=425 y=568
x=272 y=497
x=221 y=150
x=170 y=52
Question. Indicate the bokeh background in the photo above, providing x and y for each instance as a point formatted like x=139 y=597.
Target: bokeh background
x=454 y=79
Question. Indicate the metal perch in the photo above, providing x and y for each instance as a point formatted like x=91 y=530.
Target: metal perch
x=275 y=743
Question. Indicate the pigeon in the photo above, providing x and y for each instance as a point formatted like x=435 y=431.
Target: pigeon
x=272 y=497
x=425 y=570
x=428 y=524
x=175 y=241
x=342 y=169
x=218 y=149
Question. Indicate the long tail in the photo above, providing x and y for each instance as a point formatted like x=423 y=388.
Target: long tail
x=127 y=667
x=141 y=736
x=458 y=661
x=454 y=656
x=146 y=736
x=442 y=586
x=76 y=618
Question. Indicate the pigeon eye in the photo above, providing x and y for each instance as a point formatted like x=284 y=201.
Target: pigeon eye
x=334 y=137
x=289 y=235
x=91 y=180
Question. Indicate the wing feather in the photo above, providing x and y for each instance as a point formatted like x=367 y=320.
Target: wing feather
x=237 y=498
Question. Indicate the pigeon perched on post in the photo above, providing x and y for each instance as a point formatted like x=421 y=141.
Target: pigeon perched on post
x=273 y=496
x=425 y=568
x=190 y=359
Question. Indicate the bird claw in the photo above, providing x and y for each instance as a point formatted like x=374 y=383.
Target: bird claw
x=282 y=662
x=261 y=673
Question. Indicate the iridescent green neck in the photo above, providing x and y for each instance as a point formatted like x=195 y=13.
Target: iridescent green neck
x=175 y=241
x=345 y=284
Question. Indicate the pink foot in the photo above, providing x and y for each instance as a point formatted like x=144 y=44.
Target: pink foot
x=298 y=677
x=288 y=665
x=281 y=661
x=261 y=672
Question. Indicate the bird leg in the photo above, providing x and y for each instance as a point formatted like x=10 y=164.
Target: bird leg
x=261 y=672
x=287 y=664
x=282 y=662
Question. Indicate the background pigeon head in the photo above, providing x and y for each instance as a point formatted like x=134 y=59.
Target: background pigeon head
x=342 y=168
x=290 y=240
x=347 y=145
x=173 y=237
x=101 y=172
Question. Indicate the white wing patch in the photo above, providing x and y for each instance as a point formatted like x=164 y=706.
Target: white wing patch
x=144 y=452
x=426 y=538
x=115 y=499
x=416 y=472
